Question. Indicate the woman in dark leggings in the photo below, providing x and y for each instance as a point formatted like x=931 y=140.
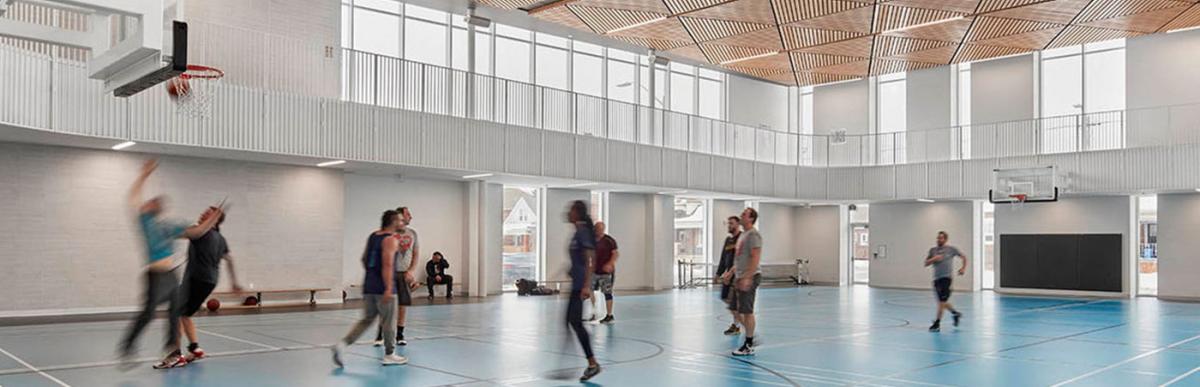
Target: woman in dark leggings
x=582 y=252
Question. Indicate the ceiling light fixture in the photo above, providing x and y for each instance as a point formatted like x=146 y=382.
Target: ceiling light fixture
x=331 y=163
x=672 y=192
x=580 y=185
x=631 y=26
x=479 y=176
x=932 y=23
x=763 y=55
x=925 y=200
x=123 y=145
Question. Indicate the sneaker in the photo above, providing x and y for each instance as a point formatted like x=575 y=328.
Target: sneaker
x=378 y=343
x=957 y=316
x=394 y=359
x=430 y=297
x=174 y=360
x=400 y=340
x=337 y=350
x=590 y=372
x=733 y=330
x=195 y=354
x=745 y=350
x=936 y=327
x=607 y=320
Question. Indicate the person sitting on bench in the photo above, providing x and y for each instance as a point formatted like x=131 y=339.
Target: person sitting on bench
x=435 y=271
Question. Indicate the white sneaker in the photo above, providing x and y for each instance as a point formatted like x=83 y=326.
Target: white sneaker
x=337 y=350
x=378 y=343
x=394 y=359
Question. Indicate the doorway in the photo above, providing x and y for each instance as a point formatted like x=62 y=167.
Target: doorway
x=1147 y=253
x=860 y=244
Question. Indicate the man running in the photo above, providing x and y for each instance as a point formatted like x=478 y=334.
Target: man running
x=161 y=284
x=405 y=265
x=746 y=276
x=582 y=251
x=606 y=267
x=941 y=257
x=205 y=254
x=378 y=289
x=734 y=226
x=435 y=274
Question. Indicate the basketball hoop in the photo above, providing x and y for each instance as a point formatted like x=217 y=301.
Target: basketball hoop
x=1018 y=200
x=193 y=90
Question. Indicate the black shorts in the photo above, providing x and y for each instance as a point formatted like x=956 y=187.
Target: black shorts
x=403 y=293
x=194 y=293
x=941 y=286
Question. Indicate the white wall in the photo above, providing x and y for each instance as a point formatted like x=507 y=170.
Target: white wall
x=817 y=237
x=1178 y=246
x=776 y=226
x=908 y=230
x=70 y=241
x=841 y=106
x=721 y=210
x=662 y=229
x=439 y=216
x=558 y=232
x=1160 y=70
x=629 y=224
x=753 y=102
x=929 y=104
x=1003 y=89
x=1073 y=215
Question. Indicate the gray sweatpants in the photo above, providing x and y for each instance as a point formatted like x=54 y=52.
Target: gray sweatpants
x=376 y=307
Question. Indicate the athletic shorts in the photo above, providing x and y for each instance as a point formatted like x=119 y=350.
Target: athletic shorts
x=194 y=293
x=603 y=283
x=403 y=293
x=941 y=287
x=742 y=301
x=725 y=290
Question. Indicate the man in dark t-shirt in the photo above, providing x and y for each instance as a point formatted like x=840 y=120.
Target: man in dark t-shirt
x=606 y=268
x=734 y=226
x=205 y=254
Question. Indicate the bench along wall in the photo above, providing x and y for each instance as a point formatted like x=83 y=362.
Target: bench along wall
x=67 y=230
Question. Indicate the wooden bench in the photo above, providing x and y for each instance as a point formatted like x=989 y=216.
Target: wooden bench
x=312 y=293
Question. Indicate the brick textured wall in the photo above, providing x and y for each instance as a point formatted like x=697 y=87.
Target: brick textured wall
x=68 y=239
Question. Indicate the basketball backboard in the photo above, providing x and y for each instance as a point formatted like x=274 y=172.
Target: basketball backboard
x=1024 y=185
x=134 y=44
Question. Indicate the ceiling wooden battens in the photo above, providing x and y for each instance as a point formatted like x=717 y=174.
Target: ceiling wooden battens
x=810 y=42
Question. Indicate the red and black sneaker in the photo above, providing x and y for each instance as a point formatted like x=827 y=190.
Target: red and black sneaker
x=174 y=360
x=195 y=354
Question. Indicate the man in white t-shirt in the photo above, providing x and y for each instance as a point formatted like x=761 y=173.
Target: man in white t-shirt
x=406 y=264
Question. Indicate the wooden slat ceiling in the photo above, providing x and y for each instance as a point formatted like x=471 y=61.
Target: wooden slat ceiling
x=810 y=42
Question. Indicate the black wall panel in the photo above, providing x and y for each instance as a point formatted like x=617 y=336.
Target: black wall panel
x=1090 y=262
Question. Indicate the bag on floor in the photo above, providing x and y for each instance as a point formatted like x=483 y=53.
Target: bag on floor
x=525 y=287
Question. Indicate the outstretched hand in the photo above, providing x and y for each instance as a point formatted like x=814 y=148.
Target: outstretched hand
x=149 y=166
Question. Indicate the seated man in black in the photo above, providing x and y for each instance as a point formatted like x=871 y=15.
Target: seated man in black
x=435 y=271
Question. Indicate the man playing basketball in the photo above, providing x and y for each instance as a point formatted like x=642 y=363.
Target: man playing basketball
x=941 y=257
x=405 y=265
x=205 y=254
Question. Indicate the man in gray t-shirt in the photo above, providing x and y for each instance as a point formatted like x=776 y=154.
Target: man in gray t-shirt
x=941 y=257
x=406 y=263
x=745 y=277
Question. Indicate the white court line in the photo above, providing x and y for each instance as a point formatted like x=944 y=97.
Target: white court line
x=1180 y=377
x=30 y=366
x=1126 y=361
x=238 y=340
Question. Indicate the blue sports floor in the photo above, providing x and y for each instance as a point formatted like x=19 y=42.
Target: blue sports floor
x=808 y=336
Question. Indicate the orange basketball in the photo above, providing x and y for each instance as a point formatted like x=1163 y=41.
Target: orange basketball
x=178 y=86
x=213 y=305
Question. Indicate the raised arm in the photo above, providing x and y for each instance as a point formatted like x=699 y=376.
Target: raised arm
x=202 y=228
x=135 y=191
x=390 y=246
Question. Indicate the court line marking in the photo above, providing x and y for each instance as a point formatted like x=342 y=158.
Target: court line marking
x=1180 y=377
x=35 y=369
x=244 y=341
x=1123 y=362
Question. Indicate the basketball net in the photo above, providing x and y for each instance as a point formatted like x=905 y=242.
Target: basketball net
x=193 y=90
x=1018 y=201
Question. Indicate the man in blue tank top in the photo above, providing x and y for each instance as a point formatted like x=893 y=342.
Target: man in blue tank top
x=160 y=282
x=379 y=290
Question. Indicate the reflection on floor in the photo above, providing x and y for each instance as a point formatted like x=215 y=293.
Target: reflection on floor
x=808 y=336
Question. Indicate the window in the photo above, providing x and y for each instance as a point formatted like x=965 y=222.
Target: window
x=551 y=67
x=710 y=98
x=588 y=72
x=683 y=88
x=376 y=32
x=964 y=108
x=806 y=126
x=425 y=42
x=622 y=84
x=522 y=223
x=1078 y=85
x=892 y=118
x=512 y=58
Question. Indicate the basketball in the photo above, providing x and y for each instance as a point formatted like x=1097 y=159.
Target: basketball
x=250 y=301
x=178 y=86
x=213 y=305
